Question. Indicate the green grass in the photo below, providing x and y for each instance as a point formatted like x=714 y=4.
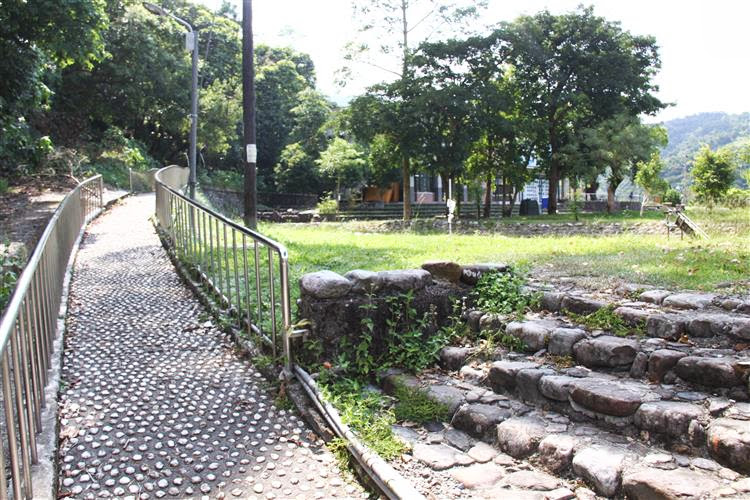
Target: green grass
x=648 y=259
x=415 y=405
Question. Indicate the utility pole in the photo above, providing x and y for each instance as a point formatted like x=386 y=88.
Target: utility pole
x=248 y=116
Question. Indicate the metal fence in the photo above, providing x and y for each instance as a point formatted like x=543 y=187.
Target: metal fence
x=248 y=272
x=27 y=333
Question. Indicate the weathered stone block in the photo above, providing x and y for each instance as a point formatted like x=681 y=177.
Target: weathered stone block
x=661 y=361
x=633 y=316
x=561 y=340
x=502 y=375
x=601 y=467
x=445 y=270
x=729 y=443
x=551 y=301
x=324 y=285
x=606 y=351
x=654 y=296
x=479 y=420
x=645 y=483
x=519 y=437
x=712 y=372
x=581 y=305
x=689 y=300
x=478 y=475
x=605 y=397
x=436 y=456
x=665 y=326
x=363 y=281
x=667 y=417
x=557 y=387
x=453 y=358
x=527 y=384
x=640 y=363
x=452 y=397
x=556 y=451
x=534 y=334
x=405 y=280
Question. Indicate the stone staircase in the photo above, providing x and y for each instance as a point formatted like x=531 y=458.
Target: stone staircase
x=663 y=413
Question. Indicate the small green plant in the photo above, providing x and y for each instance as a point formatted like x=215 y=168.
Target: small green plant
x=327 y=205
x=502 y=293
x=3 y=185
x=366 y=412
x=492 y=339
x=410 y=341
x=606 y=319
x=561 y=362
x=672 y=196
x=10 y=268
x=415 y=405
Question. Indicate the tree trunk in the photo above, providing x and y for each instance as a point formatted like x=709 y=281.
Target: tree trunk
x=406 y=188
x=488 y=197
x=505 y=180
x=513 y=194
x=554 y=178
x=644 y=199
x=611 y=198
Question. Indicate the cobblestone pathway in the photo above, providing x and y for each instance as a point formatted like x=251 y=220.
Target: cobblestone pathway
x=154 y=403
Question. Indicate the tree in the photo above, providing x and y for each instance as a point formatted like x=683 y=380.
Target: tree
x=37 y=40
x=574 y=71
x=713 y=173
x=343 y=162
x=392 y=24
x=620 y=144
x=648 y=177
x=296 y=171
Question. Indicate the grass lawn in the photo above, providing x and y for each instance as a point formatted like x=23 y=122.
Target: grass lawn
x=649 y=259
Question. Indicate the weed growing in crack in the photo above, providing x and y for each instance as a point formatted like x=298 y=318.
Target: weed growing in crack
x=606 y=319
x=415 y=405
x=503 y=293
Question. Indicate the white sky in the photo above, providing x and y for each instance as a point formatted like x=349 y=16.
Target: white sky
x=704 y=43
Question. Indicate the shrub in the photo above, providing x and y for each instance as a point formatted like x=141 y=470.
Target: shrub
x=737 y=198
x=3 y=185
x=327 y=205
x=502 y=293
x=672 y=196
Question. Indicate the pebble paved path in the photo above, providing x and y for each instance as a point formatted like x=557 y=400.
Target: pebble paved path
x=155 y=404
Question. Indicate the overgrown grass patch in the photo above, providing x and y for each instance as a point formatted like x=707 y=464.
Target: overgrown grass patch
x=648 y=259
x=606 y=319
x=366 y=412
x=415 y=405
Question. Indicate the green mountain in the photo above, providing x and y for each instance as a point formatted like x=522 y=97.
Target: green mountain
x=687 y=135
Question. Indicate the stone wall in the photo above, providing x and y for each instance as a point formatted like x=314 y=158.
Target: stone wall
x=336 y=305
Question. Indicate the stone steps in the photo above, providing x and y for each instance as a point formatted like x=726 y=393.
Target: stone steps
x=692 y=366
x=614 y=399
x=537 y=452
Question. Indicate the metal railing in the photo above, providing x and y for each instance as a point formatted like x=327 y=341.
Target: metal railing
x=248 y=272
x=27 y=332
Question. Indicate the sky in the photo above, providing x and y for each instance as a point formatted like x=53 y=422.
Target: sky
x=704 y=45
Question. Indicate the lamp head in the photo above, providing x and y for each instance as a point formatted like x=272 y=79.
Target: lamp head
x=154 y=9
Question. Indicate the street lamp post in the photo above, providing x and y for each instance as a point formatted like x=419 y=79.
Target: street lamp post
x=191 y=43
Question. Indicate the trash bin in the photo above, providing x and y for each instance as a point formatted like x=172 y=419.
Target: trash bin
x=529 y=207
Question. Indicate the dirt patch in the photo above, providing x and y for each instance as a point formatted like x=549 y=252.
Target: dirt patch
x=25 y=209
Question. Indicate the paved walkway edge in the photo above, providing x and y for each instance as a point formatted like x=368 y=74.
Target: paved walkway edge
x=388 y=480
x=44 y=485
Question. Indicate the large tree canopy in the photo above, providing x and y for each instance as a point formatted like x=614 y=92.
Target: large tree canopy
x=575 y=71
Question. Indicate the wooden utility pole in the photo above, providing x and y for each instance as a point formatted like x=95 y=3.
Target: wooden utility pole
x=250 y=197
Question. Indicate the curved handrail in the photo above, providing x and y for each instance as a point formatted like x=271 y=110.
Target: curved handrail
x=28 y=329
x=185 y=220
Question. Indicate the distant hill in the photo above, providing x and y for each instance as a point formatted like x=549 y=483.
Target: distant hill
x=687 y=135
